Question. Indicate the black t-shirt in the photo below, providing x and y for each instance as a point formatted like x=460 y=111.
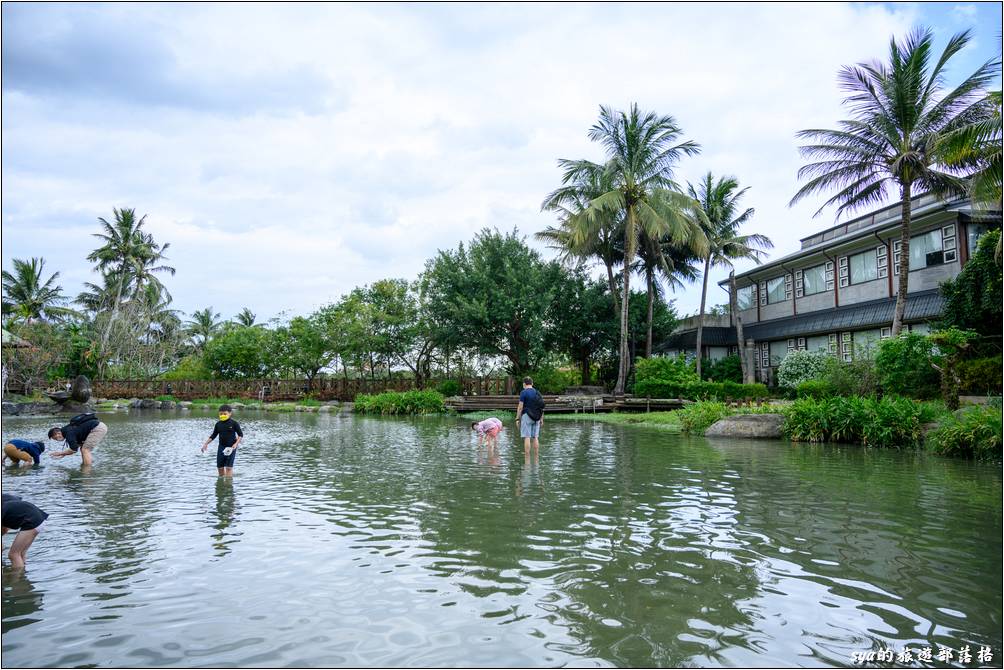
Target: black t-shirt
x=76 y=433
x=227 y=431
x=21 y=514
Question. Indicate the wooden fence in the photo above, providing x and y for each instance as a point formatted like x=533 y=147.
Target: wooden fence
x=282 y=389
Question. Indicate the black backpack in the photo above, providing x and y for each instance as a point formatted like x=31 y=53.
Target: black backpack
x=83 y=418
x=534 y=408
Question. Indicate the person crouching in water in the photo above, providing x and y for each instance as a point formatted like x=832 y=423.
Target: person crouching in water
x=83 y=433
x=230 y=434
x=489 y=428
x=22 y=451
x=26 y=519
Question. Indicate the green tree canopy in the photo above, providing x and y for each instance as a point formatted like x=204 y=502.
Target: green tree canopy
x=973 y=298
x=493 y=297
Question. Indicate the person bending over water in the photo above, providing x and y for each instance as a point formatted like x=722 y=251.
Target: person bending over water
x=84 y=433
x=22 y=516
x=22 y=451
x=489 y=428
x=230 y=434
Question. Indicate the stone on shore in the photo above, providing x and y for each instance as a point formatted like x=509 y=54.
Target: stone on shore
x=748 y=426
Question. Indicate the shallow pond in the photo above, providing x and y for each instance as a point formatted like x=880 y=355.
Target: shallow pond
x=384 y=542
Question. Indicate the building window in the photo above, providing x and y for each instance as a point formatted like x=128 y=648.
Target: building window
x=926 y=250
x=778 y=350
x=973 y=233
x=746 y=297
x=814 y=280
x=931 y=248
x=864 y=267
x=775 y=290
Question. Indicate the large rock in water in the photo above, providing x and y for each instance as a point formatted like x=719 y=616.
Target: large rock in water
x=748 y=425
x=80 y=389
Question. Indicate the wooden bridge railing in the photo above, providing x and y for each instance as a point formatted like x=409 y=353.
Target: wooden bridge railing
x=282 y=389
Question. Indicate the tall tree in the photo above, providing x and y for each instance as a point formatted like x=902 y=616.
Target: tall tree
x=128 y=256
x=585 y=238
x=491 y=295
x=203 y=325
x=245 y=317
x=641 y=150
x=670 y=260
x=719 y=199
x=895 y=137
x=27 y=296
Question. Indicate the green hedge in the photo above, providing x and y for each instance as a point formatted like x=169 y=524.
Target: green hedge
x=815 y=388
x=972 y=432
x=699 y=390
x=407 y=402
x=889 y=422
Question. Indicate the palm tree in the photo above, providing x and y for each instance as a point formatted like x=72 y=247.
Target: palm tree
x=127 y=257
x=719 y=200
x=895 y=136
x=641 y=152
x=672 y=261
x=245 y=317
x=26 y=295
x=581 y=237
x=203 y=326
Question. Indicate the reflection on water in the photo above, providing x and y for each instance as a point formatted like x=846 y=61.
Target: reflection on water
x=370 y=542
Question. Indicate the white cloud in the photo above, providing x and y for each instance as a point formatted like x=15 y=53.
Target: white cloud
x=351 y=142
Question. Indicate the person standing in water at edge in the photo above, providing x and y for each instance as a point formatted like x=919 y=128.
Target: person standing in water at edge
x=230 y=434
x=530 y=416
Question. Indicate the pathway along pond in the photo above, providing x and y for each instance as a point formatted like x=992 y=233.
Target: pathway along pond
x=387 y=542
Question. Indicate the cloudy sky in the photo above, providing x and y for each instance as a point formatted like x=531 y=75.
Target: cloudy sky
x=289 y=153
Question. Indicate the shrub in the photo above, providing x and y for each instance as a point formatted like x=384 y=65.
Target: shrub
x=449 y=388
x=889 y=422
x=854 y=378
x=727 y=369
x=664 y=369
x=972 y=432
x=695 y=390
x=815 y=388
x=802 y=366
x=903 y=366
x=393 y=402
x=973 y=298
x=981 y=376
x=697 y=418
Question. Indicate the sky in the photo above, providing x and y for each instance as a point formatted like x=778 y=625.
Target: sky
x=289 y=153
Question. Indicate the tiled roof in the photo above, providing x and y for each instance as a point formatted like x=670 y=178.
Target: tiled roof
x=873 y=314
x=713 y=336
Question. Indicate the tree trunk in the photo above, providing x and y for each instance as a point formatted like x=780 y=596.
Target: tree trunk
x=700 y=315
x=624 y=363
x=585 y=370
x=651 y=295
x=904 y=263
x=613 y=287
x=740 y=338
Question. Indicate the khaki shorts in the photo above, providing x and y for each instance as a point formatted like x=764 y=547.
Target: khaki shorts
x=95 y=436
x=16 y=454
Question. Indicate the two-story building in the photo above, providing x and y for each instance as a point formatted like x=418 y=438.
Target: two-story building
x=838 y=292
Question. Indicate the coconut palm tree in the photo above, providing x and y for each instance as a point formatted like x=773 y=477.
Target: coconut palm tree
x=583 y=238
x=245 y=317
x=127 y=257
x=641 y=150
x=719 y=200
x=203 y=325
x=670 y=260
x=26 y=295
x=900 y=117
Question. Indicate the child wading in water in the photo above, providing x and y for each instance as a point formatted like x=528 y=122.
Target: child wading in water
x=22 y=516
x=230 y=434
x=489 y=428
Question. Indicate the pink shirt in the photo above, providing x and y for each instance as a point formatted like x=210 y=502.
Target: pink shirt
x=488 y=425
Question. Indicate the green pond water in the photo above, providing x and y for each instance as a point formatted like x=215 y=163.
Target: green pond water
x=353 y=541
